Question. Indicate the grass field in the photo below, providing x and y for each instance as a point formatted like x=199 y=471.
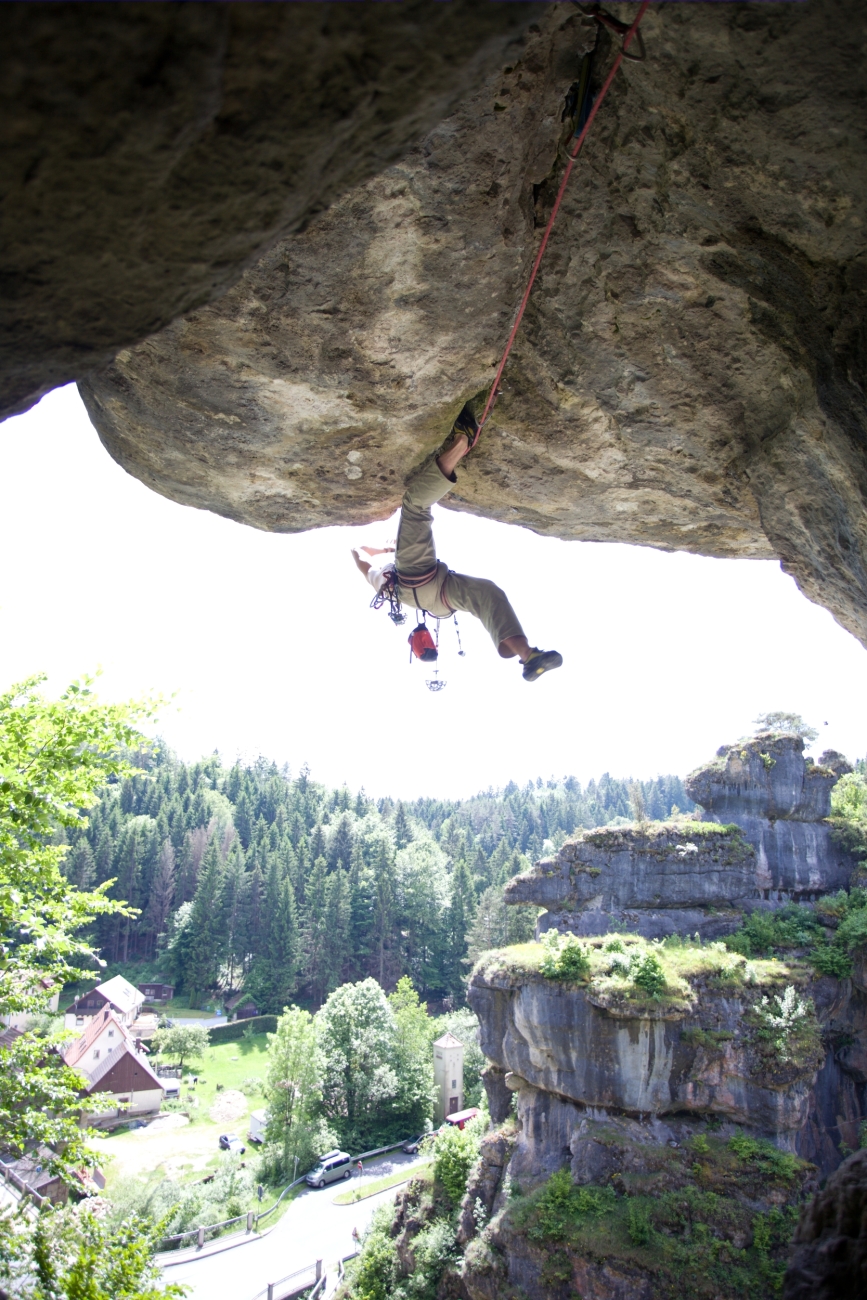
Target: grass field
x=184 y=1149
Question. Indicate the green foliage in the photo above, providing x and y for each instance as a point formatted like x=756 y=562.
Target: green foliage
x=246 y=877
x=71 y=1255
x=173 y=1207
x=357 y=1035
x=649 y=975
x=564 y=957
x=293 y=1087
x=54 y=757
x=181 y=1043
x=243 y=1029
x=763 y=1156
x=561 y=1205
x=374 y=1276
x=638 y=1223
x=788 y=1029
x=789 y=724
x=413 y=1057
x=433 y=1250
x=455 y=1152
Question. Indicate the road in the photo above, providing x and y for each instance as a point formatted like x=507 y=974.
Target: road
x=312 y=1228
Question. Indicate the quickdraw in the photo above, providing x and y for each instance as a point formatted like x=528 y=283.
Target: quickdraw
x=388 y=592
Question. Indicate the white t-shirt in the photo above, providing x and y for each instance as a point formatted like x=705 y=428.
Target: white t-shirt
x=376 y=577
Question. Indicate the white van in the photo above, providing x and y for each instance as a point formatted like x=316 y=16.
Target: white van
x=258 y=1124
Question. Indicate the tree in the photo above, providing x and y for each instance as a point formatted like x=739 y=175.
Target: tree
x=790 y=724
x=54 y=757
x=181 y=1043
x=357 y=1033
x=162 y=890
x=293 y=1084
x=498 y=924
x=208 y=939
x=72 y=1255
x=413 y=1056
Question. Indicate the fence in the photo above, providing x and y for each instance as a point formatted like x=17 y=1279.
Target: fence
x=10 y=1176
x=277 y=1290
x=252 y=1218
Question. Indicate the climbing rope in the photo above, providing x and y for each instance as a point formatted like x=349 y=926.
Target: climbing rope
x=572 y=158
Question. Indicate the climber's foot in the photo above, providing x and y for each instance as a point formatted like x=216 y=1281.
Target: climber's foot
x=539 y=662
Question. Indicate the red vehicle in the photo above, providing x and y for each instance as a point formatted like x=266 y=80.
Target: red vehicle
x=462 y=1117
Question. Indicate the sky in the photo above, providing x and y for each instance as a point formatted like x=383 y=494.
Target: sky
x=264 y=643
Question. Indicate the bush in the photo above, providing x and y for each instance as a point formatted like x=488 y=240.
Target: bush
x=649 y=975
x=375 y=1273
x=455 y=1153
x=562 y=1204
x=564 y=958
x=236 y=1029
x=433 y=1250
x=788 y=1026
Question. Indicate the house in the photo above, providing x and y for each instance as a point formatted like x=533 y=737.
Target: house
x=245 y=1009
x=103 y=1034
x=19 y=1019
x=121 y=1083
x=156 y=992
x=124 y=999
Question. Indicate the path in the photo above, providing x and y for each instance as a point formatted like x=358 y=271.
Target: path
x=312 y=1228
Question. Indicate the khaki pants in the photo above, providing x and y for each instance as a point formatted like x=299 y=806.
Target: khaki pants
x=446 y=592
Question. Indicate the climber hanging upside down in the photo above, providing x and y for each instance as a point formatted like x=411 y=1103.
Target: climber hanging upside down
x=423 y=581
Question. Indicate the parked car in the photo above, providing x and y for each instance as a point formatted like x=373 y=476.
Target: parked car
x=231 y=1142
x=411 y=1146
x=331 y=1167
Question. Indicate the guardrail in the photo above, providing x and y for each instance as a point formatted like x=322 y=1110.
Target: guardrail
x=252 y=1218
x=276 y=1290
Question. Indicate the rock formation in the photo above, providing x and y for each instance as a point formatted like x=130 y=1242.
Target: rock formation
x=151 y=151
x=691 y=371
x=830 y=1259
x=780 y=801
x=774 y=845
x=610 y=1082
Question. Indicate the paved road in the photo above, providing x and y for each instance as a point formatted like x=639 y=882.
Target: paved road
x=312 y=1228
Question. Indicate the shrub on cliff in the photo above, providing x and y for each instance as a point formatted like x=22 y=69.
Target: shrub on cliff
x=787 y=1029
x=564 y=957
x=455 y=1153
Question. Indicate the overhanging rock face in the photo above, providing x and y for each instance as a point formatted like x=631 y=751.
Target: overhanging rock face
x=691 y=371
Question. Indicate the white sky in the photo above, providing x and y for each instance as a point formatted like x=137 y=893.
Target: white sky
x=267 y=644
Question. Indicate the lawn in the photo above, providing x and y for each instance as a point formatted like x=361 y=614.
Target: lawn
x=186 y=1148
x=399 y=1176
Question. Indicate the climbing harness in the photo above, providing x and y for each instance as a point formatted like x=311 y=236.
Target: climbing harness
x=597 y=15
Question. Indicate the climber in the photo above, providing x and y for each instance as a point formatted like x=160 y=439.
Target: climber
x=420 y=579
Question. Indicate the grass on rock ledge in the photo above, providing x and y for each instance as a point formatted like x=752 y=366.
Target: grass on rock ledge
x=634 y=976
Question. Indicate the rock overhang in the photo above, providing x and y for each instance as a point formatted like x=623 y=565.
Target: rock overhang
x=689 y=375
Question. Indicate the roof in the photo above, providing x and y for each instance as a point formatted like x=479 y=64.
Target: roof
x=93 y=998
x=461 y=1116
x=448 y=1040
x=76 y=1051
x=8 y=1036
x=31 y=1168
x=113 y=1058
x=125 y=996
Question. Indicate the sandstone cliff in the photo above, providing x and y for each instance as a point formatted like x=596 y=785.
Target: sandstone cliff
x=618 y=1054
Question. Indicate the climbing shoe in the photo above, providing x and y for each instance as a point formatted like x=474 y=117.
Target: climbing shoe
x=540 y=661
x=465 y=424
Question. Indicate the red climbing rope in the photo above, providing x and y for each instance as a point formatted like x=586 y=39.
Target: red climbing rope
x=492 y=395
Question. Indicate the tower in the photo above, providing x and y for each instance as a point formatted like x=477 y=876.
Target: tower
x=448 y=1076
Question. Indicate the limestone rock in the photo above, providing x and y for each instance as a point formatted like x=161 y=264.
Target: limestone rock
x=780 y=802
x=691 y=371
x=830 y=1256
x=150 y=151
